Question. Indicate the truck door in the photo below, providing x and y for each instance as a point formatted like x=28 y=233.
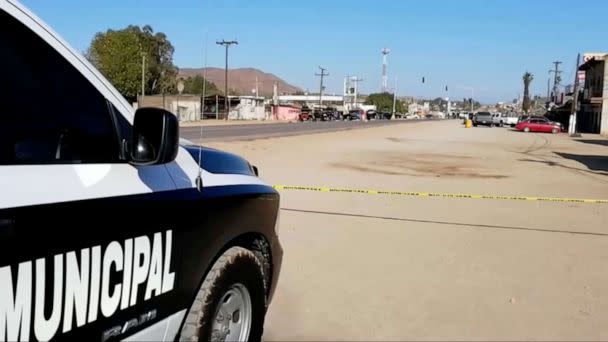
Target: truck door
x=79 y=226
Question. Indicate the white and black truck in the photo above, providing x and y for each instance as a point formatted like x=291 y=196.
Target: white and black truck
x=111 y=228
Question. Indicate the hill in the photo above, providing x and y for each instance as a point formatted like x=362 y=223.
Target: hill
x=242 y=80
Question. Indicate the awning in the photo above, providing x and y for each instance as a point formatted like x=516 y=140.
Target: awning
x=590 y=64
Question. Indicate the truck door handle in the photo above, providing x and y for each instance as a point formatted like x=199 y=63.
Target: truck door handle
x=6 y=225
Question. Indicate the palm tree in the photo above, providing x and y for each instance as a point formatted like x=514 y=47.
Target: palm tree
x=528 y=78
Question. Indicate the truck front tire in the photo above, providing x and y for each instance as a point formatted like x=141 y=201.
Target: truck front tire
x=231 y=303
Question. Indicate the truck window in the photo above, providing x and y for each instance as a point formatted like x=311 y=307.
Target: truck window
x=49 y=112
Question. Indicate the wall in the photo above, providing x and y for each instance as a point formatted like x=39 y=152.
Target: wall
x=188 y=110
x=249 y=109
x=189 y=105
x=604 y=114
x=593 y=114
x=286 y=113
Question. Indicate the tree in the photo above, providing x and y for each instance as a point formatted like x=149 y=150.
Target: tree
x=527 y=78
x=384 y=102
x=118 y=55
x=194 y=86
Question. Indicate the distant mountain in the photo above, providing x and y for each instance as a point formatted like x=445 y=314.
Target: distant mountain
x=242 y=80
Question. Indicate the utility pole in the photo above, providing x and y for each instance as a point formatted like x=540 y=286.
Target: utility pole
x=556 y=79
x=572 y=125
x=322 y=74
x=143 y=76
x=548 y=89
x=356 y=81
x=257 y=90
x=226 y=44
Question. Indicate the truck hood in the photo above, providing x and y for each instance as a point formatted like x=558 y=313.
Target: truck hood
x=220 y=162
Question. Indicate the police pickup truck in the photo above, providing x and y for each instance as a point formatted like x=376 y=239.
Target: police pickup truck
x=110 y=229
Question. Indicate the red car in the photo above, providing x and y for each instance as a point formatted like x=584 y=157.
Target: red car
x=539 y=125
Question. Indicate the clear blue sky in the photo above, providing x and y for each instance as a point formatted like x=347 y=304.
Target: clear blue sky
x=484 y=44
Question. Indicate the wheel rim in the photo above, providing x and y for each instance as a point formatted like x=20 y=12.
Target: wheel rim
x=526 y=129
x=232 y=319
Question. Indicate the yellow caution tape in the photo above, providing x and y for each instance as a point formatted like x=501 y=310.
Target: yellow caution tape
x=442 y=195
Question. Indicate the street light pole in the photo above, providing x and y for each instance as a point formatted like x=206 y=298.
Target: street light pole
x=572 y=126
x=472 y=99
x=226 y=44
x=472 y=95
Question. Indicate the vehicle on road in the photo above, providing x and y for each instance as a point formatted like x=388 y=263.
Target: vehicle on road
x=439 y=115
x=536 y=124
x=372 y=115
x=412 y=116
x=325 y=114
x=354 y=114
x=385 y=115
x=111 y=227
x=500 y=119
x=483 y=118
x=305 y=114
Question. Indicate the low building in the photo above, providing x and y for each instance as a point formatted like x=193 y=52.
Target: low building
x=185 y=107
x=593 y=114
x=249 y=108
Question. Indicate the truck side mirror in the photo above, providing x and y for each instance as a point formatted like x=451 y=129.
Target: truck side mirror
x=155 y=138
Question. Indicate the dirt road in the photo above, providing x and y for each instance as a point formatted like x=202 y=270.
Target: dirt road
x=365 y=267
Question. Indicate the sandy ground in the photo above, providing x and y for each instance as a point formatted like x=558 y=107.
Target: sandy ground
x=369 y=267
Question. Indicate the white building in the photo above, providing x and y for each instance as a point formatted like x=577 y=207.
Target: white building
x=249 y=108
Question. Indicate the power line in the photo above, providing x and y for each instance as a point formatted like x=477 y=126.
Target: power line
x=322 y=75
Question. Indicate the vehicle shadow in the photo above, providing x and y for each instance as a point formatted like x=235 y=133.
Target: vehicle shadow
x=594 y=163
x=595 y=142
x=452 y=224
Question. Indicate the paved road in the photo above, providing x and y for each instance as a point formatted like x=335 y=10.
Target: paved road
x=257 y=131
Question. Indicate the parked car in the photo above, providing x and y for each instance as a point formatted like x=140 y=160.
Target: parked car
x=500 y=119
x=112 y=227
x=412 y=116
x=526 y=117
x=536 y=124
x=482 y=118
x=372 y=114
